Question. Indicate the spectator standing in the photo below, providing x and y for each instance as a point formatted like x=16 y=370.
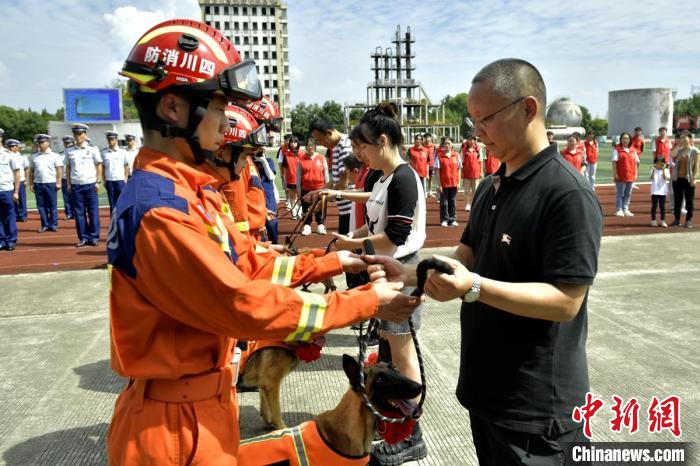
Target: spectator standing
x=662 y=146
x=266 y=169
x=23 y=164
x=116 y=168
x=550 y=138
x=660 y=177
x=624 y=162
x=447 y=168
x=9 y=195
x=418 y=159
x=591 y=146
x=340 y=147
x=573 y=154
x=491 y=163
x=312 y=175
x=288 y=165
x=471 y=170
x=84 y=166
x=68 y=141
x=637 y=142
x=131 y=151
x=45 y=170
x=686 y=160
x=430 y=150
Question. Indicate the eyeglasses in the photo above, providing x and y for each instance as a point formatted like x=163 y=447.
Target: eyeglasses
x=484 y=121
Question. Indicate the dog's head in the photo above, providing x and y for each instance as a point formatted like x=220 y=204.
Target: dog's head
x=388 y=390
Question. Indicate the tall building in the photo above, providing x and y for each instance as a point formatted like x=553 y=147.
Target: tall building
x=258 y=29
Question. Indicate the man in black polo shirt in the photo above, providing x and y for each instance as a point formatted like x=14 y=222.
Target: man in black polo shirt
x=523 y=268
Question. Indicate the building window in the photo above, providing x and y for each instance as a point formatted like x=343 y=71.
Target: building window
x=274 y=55
x=273 y=40
x=237 y=40
x=216 y=10
x=255 y=40
x=254 y=11
x=264 y=40
x=265 y=56
x=264 y=11
x=208 y=23
x=227 y=25
x=256 y=55
x=274 y=83
x=235 y=11
x=246 y=55
x=245 y=26
x=272 y=26
x=272 y=10
x=255 y=26
x=246 y=41
x=217 y=25
x=274 y=70
x=264 y=26
x=266 y=70
x=236 y=26
x=207 y=10
x=267 y=83
x=245 y=10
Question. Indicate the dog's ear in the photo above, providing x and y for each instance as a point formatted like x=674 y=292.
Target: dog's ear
x=352 y=370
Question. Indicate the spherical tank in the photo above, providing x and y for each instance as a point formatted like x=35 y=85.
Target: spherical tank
x=563 y=111
x=649 y=109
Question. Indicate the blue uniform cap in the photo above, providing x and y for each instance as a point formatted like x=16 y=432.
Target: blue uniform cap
x=68 y=138
x=130 y=137
x=111 y=134
x=42 y=137
x=79 y=128
x=12 y=143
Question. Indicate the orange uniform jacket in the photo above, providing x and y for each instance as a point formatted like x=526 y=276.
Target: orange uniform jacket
x=301 y=446
x=180 y=296
x=626 y=164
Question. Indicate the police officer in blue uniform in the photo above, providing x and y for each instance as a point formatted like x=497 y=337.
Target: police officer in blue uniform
x=116 y=168
x=68 y=141
x=84 y=175
x=45 y=169
x=9 y=194
x=23 y=165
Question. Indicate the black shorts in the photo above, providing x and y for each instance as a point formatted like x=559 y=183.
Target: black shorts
x=431 y=172
x=292 y=187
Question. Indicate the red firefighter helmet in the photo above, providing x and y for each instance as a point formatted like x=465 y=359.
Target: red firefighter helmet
x=266 y=111
x=183 y=52
x=244 y=130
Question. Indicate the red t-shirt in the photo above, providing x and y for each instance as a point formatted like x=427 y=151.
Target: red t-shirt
x=449 y=168
x=663 y=149
x=638 y=144
x=575 y=157
x=431 y=153
x=290 y=164
x=591 y=151
x=491 y=164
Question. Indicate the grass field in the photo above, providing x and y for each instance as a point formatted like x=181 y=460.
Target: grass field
x=604 y=175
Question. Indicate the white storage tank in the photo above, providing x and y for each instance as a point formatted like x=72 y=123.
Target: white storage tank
x=649 y=109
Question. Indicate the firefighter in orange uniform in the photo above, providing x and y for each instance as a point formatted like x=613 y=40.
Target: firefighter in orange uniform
x=178 y=299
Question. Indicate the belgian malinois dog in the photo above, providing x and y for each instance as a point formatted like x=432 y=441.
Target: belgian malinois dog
x=343 y=435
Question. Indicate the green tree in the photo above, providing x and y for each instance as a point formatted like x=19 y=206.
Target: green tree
x=586 y=119
x=128 y=108
x=599 y=126
x=21 y=124
x=455 y=111
x=303 y=114
x=689 y=107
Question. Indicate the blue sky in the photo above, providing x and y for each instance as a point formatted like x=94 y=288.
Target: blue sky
x=583 y=49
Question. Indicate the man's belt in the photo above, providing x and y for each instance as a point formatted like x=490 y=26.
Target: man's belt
x=190 y=388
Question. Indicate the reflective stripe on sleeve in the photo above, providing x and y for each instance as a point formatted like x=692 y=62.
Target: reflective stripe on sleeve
x=282 y=271
x=311 y=319
x=243 y=226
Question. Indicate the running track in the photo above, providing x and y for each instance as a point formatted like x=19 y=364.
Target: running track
x=51 y=251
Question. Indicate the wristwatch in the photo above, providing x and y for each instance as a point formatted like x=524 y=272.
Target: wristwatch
x=475 y=291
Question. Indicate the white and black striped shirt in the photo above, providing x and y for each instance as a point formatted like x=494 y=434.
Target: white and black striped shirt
x=341 y=151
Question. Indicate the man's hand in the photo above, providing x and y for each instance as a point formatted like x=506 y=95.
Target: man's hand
x=352 y=263
x=385 y=269
x=31 y=187
x=58 y=187
x=97 y=187
x=15 y=197
x=277 y=248
x=395 y=306
x=442 y=287
x=271 y=215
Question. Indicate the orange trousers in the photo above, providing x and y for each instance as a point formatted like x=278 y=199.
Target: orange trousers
x=146 y=431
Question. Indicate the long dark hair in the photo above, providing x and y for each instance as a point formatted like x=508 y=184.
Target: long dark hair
x=289 y=145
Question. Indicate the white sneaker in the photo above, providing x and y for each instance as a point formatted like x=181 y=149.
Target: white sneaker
x=443 y=224
x=683 y=211
x=306 y=231
x=454 y=224
x=628 y=213
x=467 y=207
x=654 y=224
x=663 y=224
x=619 y=213
x=321 y=230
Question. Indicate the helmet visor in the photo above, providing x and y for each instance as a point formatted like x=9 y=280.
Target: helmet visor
x=275 y=124
x=241 y=81
x=258 y=138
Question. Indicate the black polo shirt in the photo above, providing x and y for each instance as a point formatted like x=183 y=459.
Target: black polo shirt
x=542 y=224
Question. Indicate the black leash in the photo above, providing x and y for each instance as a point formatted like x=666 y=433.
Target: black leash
x=421 y=275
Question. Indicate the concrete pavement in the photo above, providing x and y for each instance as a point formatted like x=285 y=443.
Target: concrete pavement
x=57 y=391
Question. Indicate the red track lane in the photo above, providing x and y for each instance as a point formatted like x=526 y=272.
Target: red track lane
x=49 y=251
